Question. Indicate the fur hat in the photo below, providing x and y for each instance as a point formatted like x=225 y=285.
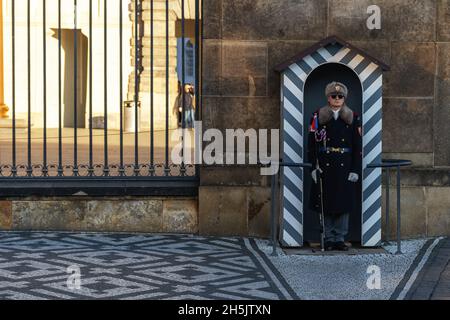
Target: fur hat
x=336 y=88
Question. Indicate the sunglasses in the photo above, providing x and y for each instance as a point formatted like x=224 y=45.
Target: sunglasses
x=337 y=96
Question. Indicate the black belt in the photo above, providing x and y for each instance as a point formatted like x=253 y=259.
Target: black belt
x=337 y=150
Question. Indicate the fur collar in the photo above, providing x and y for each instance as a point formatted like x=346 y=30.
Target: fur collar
x=326 y=114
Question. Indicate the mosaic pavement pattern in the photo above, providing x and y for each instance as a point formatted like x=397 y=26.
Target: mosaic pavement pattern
x=41 y=265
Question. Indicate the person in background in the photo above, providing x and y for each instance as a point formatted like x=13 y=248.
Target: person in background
x=189 y=106
x=176 y=107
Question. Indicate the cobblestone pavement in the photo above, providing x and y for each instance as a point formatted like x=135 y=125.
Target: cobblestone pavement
x=350 y=276
x=45 y=265
x=433 y=281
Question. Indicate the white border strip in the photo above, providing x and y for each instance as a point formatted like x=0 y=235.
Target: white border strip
x=419 y=267
x=268 y=270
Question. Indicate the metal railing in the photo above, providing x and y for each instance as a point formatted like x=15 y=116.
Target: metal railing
x=387 y=164
x=65 y=170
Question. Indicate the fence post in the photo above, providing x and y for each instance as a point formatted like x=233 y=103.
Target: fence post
x=273 y=215
x=387 y=204
x=399 y=250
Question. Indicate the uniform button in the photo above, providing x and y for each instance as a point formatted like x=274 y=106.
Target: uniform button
x=328 y=139
x=343 y=140
x=347 y=126
x=342 y=164
x=328 y=152
x=328 y=164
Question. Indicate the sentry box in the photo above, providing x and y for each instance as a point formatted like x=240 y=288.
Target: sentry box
x=303 y=81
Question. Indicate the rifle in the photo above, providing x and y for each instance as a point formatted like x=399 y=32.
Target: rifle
x=317 y=139
x=322 y=214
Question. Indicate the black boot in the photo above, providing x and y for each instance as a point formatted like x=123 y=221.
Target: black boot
x=341 y=246
x=329 y=245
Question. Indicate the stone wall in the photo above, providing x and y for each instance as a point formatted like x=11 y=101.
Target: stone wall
x=245 y=39
x=425 y=203
x=101 y=214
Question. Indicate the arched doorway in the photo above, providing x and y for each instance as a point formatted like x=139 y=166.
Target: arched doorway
x=314 y=98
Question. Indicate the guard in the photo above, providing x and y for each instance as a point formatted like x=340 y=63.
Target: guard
x=334 y=149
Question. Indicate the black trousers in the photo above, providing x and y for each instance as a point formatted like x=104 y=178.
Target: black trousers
x=336 y=226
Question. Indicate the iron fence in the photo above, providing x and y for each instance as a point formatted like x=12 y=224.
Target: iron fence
x=45 y=158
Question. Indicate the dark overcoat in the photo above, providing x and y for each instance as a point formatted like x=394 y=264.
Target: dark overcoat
x=345 y=132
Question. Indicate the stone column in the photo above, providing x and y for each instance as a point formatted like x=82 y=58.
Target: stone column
x=159 y=63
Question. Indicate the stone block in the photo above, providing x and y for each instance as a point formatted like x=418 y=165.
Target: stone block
x=223 y=211
x=263 y=113
x=148 y=215
x=224 y=113
x=129 y=215
x=442 y=123
x=212 y=19
x=407 y=125
x=413 y=68
x=413 y=212
x=418 y=159
x=259 y=204
x=48 y=215
x=268 y=19
x=278 y=52
x=378 y=49
x=212 y=67
x=348 y=19
x=401 y=20
x=421 y=177
x=248 y=86
x=5 y=215
x=242 y=58
x=244 y=68
x=241 y=113
x=231 y=176
x=438 y=211
x=180 y=216
x=443 y=20
x=442 y=107
x=443 y=60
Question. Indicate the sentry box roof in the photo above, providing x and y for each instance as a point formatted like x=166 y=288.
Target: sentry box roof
x=332 y=44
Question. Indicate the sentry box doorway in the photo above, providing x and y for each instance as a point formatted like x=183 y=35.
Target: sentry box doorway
x=303 y=81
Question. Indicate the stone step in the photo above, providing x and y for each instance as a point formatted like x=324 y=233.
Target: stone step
x=158 y=62
x=158 y=41
x=159 y=51
x=158 y=15
x=159 y=29
x=157 y=73
x=174 y=5
x=159 y=85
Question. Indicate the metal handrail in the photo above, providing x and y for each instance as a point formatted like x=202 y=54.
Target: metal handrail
x=385 y=163
x=274 y=185
x=392 y=163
